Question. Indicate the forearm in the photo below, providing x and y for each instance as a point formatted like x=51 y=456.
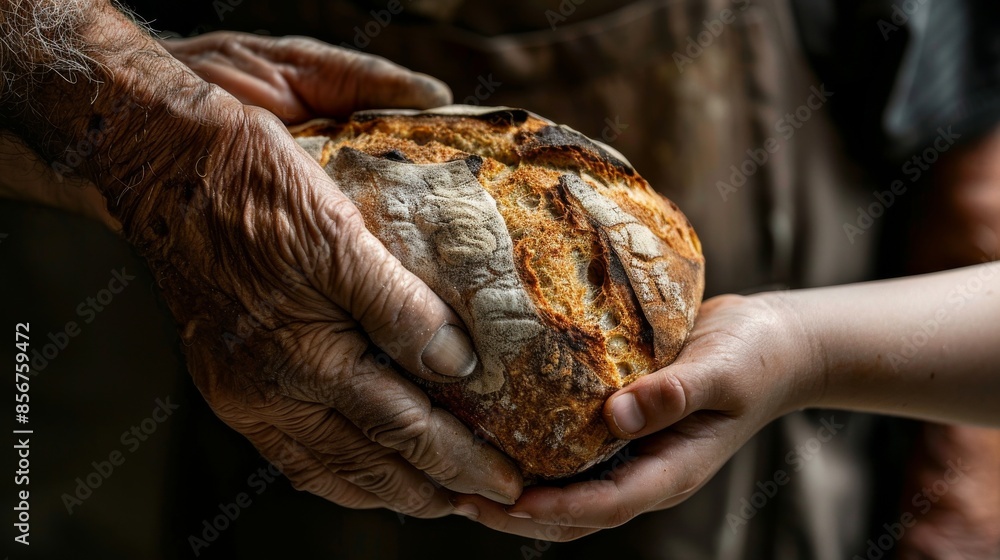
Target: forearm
x=925 y=346
x=97 y=101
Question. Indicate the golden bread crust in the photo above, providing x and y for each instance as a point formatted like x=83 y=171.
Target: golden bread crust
x=573 y=276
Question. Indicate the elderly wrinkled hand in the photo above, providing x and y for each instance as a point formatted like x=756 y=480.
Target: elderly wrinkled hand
x=293 y=316
x=299 y=78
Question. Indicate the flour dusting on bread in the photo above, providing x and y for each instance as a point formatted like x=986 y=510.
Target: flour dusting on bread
x=572 y=275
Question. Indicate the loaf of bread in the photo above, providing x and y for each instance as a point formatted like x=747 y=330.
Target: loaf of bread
x=572 y=275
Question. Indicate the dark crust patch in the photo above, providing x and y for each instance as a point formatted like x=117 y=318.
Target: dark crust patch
x=475 y=164
x=507 y=117
x=500 y=117
x=561 y=139
x=396 y=155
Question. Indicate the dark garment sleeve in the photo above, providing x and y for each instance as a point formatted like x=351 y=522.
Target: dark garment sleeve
x=902 y=70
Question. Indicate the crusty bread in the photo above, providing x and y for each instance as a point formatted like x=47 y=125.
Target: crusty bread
x=572 y=275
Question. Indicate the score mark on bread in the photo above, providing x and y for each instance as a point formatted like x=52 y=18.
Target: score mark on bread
x=572 y=275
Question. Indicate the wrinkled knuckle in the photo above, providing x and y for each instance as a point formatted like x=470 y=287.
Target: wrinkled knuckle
x=340 y=354
x=350 y=454
x=290 y=458
x=313 y=427
x=259 y=115
x=407 y=431
x=312 y=388
x=379 y=478
x=304 y=483
x=313 y=481
x=337 y=443
x=386 y=313
x=304 y=473
x=219 y=398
